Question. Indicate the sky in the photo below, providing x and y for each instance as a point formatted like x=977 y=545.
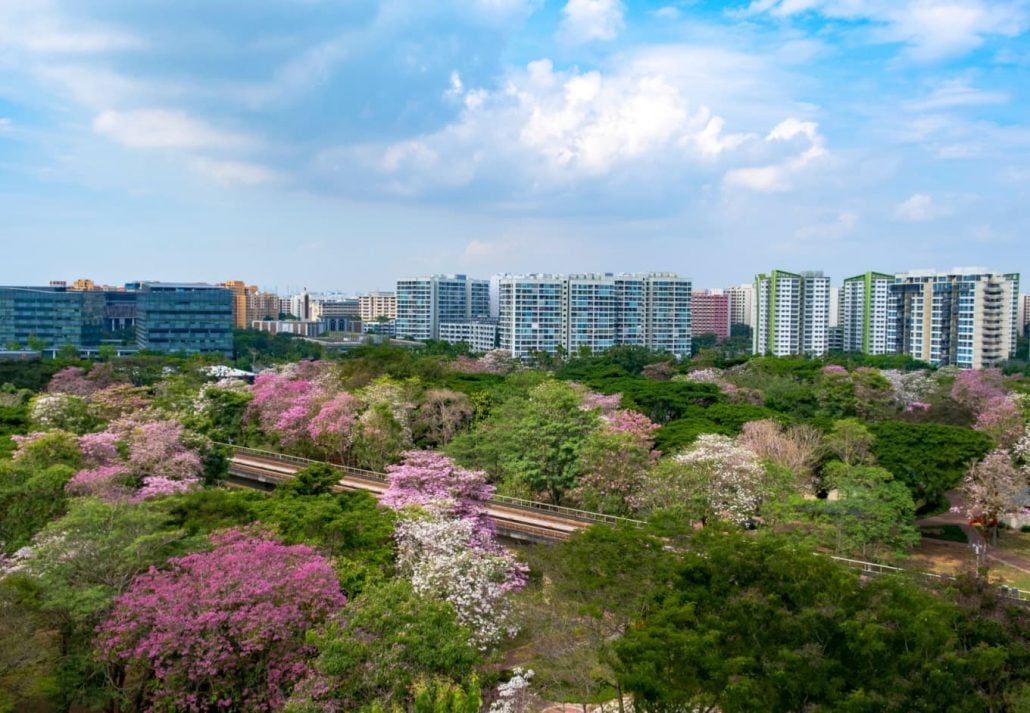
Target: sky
x=341 y=144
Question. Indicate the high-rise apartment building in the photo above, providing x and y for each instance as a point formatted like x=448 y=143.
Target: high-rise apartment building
x=423 y=303
x=964 y=318
x=791 y=313
x=377 y=305
x=593 y=312
x=864 y=310
x=184 y=317
x=1024 y=313
x=710 y=313
x=240 y=294
x=742 y=304
x=51 y=317
x=263 y=306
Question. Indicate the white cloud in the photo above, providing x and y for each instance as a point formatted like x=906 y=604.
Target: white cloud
x=234 y=172
x=919 y=208
x=587 y=20
x=479 y=249
x=6 y=125
x=777 y=176
x=843 y=224
x=36 y=26
x=667 y=12
x=162 y=128
x=932 y=29
x=957 y=93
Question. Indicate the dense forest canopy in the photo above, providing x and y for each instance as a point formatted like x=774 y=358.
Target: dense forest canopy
x=132 y=578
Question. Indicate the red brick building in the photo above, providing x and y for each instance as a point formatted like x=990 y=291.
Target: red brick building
x=710 y=314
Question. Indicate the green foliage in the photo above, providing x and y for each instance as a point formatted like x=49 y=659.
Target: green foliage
x=757 y=623
x=14 y=420
x=929 y=458
x=253 y=347
x=540 y=447
x=394 y=648
x=724 y=418
x=29 y=499
x=872 y=515
x=315 y=479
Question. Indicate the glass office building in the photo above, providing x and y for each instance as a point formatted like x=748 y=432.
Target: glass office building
x=185 y=318
x=52 y=317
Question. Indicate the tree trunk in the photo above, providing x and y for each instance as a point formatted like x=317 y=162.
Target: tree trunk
x=618 y=692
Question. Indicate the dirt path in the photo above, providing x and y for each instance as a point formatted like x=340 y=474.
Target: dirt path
x=949 y=517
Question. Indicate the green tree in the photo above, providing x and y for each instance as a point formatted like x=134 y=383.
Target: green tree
x=756 y=623
x=927 y=457
x=543 y=443
x=392 y=647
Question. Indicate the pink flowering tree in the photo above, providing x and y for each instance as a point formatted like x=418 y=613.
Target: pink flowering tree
x=71 y=380
x=283 y=406
x=109 y=482
x=614 y=461
x=1001 y=419
x=118 y=400
x=332 y=428
x=993 y=487
x=99 y=449
x=220 y=630
x=974 y=388
x=602 y=403
x=432 y=482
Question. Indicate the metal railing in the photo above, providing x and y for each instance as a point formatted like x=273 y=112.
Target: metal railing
x=1020 y=595
x=520 y=503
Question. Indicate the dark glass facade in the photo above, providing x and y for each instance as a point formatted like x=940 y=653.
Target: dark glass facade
x=53 y=316
x=184 y=318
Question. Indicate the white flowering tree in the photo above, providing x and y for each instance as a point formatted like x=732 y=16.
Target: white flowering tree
x=446 y=559
x=715 y=478
x=993 y=488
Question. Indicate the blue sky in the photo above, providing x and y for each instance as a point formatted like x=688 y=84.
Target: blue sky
x=342 y=144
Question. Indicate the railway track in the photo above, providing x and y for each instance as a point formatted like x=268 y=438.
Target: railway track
x=513 y=517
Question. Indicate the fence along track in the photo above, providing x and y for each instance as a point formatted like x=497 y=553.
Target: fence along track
x=255 y=455
x=512 y=514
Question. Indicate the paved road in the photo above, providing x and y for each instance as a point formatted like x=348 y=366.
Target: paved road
x=975 y=536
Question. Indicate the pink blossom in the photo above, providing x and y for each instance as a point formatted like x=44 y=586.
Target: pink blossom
x=229 y=622
x=71 y=380
x=99 y=449
x=605 y=403
x=1001 y=419
x=283 y=405
x=431 y=481
x=917 y=406
x=22 y=441
x=109 y=482
x=155 y=486
x=834 y=369
x=974 y=388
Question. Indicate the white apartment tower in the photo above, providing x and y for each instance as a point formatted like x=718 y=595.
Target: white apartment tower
x=742 y=299
x=791 y=313
x=966 y=317
x=424 y=303
x=865 y=313
x=592 y=312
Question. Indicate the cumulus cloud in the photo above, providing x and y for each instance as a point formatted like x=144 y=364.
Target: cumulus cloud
x=843 y=224
x=162 y=128
x=587 y=20
x=932 y=29
x=562 y=125
x=777 y=176
x=918 y=208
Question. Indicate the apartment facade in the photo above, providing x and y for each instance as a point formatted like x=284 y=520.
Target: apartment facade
x=480 y=335
x=742 y=304
x=586 y=313
x=377 y=305
x=865 y=310
x=963 y=318
x=791 y=314
x=710 y=313
x=424 y=303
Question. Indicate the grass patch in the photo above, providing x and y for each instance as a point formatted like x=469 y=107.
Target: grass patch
x=949 y=533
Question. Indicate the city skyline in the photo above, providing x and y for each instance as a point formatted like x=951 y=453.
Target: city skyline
x=300 y=143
